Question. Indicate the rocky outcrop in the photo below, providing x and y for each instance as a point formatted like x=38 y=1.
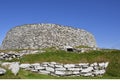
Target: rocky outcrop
x=36 y=36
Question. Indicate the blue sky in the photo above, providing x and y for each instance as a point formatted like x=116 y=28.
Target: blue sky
x=100 y=17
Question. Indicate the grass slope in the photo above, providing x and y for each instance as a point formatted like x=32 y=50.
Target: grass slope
x=113 y=56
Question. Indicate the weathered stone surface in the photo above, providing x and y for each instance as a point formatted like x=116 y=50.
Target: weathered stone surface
x=46 y=35
x=99 y=72
x=60 y=69
x=39 y=67
x=14 y=67
x=74 y=69
x=84 y=64
x=61 y=73
x=69 y=65
x=8 y=56
x=6 y=64
x=2 y=71
x=58 y=65
x=24 y=66
x=50 y=69
x=35 y=64
x=76 y=72
x=106 y=64
x=81 y=69
x=101 y=64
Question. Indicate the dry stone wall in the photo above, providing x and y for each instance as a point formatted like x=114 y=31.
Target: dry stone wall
x=36 y=36
x=58 y=69
x=12 y=54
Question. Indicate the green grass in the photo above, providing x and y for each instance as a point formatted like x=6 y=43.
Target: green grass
x=65 y=57
x=82 y=46
x=112 y=71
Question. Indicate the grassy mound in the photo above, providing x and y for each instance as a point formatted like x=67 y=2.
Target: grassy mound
x=112 y=56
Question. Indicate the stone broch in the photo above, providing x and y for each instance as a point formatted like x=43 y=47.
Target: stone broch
x=46 y=35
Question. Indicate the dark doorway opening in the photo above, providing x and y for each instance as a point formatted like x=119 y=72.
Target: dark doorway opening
x=70 y=49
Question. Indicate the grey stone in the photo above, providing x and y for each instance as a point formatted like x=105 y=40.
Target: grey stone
x=60 y=69
x=6 y=64
x=69 y=65
x=74 y=69
x=89 y=69
x=24 y=66
x=2 y=71
x=36 y=36
x=106 y=64
x=68 y=73
x=44 y=65
x=50 y=69
x=95 y=64
x=36 y=64
x=39 y=67
x=83 y=64
x=99 y=72
x=101 y=64
x=58 y=65
x=34 y=70
x=14 y=67
x=61 y=73
x=51 y=65
x=76 y=72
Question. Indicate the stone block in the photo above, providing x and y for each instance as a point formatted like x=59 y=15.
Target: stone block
x=24 y=66
x=60 y=69
x=2 y=71
x=50 y=69
x=44 y=65
x=101 y=64
x=34 y=70
x=89 y=69
x=91 y=65
x=95 y=64
x=39 y=67
x=6 y=64
x=36 y=64
x=76 y=72
x=69 y=65
x=74 y=69
x=51 y=65
x=61 y=73
x=106 y=64
x=83 y=64
x=14 y=67
x=68 y=73
x=99 y=72
x=58 y=65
